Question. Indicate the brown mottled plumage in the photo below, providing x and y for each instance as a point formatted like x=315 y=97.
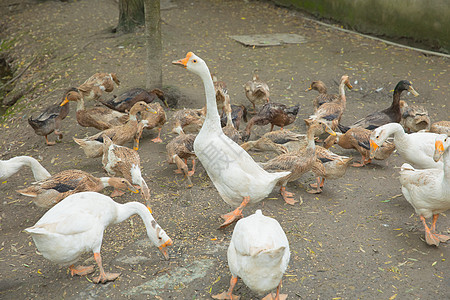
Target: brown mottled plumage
x=125 y=101
x=274 y=114
x=256 y=91
x=221 y=92
x=98 y=117
x=105 y=81
x=50 y=191
x=179 y=149
x=441 y=127
x=50 y=121
x=297 y=162
x=238 y=113
x=414 y=117
x=358 y=138
x=187 y=117
x=331 y=112
x=328 y=165
x=279 y=141
x=323 y=96
x=122 y=161
x=120 y=135
x=150 y=120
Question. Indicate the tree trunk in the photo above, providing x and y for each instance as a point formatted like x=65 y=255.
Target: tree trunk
x=154 y=45
x=131 y=15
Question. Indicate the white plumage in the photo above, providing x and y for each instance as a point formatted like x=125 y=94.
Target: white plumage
x=12 y=166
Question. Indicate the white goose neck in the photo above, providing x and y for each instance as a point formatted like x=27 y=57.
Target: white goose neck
x=212 y=120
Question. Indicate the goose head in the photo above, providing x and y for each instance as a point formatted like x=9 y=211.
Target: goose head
x=159 y=238
x=345 y=80
x=192 y=62
x=441 y=144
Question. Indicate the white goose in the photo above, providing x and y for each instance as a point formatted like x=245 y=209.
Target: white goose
x=258 y=254
x=237 y=177
x=416 y=148
x=428 y=191
x=76 y=224
x=12 y=166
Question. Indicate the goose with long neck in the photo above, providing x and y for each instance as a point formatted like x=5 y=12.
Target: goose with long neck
x=76 y=224
x=416 y=148
x=237 y=177
x=13 y=165
x=428 y=191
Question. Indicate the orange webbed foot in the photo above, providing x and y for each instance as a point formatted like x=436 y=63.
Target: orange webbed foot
x=271 y=297
x=230 y=218
x=225 y=295
x=431 y=239
x=81 y=270
x=288 y=196
x=157 y=140
x=106 y=277
x=178 y=171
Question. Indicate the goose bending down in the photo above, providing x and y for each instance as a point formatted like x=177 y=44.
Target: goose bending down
x=416 y=148
x=92 y=146
x=328 y=165
x=237 y=177
x=428 y=191
x=13 y=165
x=359 y=139
x=150 y=120
x=105 y=81
x=98 y=117
x=331 y=112
x=278 y=141
x=274 y=114
x=125 y=101
x=76 y=225
x=297 y=162
x=122 y=161
x=392 y=114
x=52 y=190
x=259 y=254
x=187 y=117
x=323 y=96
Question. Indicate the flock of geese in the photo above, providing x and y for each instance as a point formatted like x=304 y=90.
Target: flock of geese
x=259 y=250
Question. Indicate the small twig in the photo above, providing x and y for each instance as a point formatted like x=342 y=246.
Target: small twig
x=18 y=75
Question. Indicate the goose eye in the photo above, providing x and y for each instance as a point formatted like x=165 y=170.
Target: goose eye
x=159 y=237
x=194 y=60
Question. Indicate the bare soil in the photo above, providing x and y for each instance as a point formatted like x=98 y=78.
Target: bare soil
x=359 y=239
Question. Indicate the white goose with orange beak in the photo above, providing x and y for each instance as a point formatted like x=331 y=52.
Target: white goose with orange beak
x=237 y=177
x=428 y=191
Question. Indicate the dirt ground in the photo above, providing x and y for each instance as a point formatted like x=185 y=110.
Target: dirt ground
x=359 y=239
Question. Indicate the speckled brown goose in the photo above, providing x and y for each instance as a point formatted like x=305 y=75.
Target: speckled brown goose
x=323 y=96
x=298 y=162
x=274 y=114
x=414 y=117
x=122 y=161
x=149 y=120
x=330 y=113
x=50 y=191
x=193 y=118
x=101 y=118
x=278 y=141
x=328 y=165
x=125 y=101
x=92 y=146
x=105 y=81
x=359 y=139
x=441 y=127
x=256 y=91
x=179 y=150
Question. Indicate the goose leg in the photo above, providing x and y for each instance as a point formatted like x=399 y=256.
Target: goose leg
x=104 y=277
x=442 y=238
x=429 y=237
x=228 y=294
x=278 y=296
x=191 y=172
x=158 y=138
x=81 y=270
x=235 y=214
x=287 y=196
x=48 y=142
x=317 y=186
x=364 y=161
x=182 y=168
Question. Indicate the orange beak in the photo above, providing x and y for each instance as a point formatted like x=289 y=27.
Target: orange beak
x=163 y=249
x=64 y=102
x=373 y=148
x=308 y=89
x=349 y=85
x=438 y=150
x=183 y=62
